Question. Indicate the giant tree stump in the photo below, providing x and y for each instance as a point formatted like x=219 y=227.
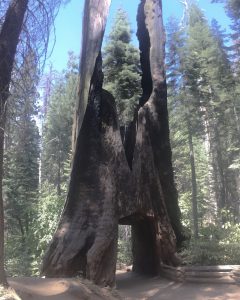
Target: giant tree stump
x=113 y=184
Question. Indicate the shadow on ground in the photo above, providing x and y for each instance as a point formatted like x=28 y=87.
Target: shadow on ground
x=135 y=287
x=129 y=285
x=59 y=289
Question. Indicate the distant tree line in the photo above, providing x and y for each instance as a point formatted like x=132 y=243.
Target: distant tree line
x=204 y=108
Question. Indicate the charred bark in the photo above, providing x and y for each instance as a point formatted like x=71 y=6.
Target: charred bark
x=86 y=240
x=9 y=37
x=94 y=22
x=111 y=185
x=151 y=37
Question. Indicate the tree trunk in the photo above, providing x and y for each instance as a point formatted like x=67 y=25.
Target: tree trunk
x=94 y=22
x=220 y=182
x=86 y=240
x=9 y=37
x=218 y=170
x=194 y=181
x=106 y=188
x=3 y=279
x=151 y=35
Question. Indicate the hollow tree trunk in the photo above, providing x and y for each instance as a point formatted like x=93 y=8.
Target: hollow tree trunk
x=9 y=37
x=94 y=22
x=108 y=186
x=86 y=239
x=151 y=37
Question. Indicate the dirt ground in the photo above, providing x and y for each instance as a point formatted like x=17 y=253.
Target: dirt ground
x=129 y=285
x=59 y=289
x=135 y=287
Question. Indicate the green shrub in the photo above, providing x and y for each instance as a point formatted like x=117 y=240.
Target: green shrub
x=215 y=246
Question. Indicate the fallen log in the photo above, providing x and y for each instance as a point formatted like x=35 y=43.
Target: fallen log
x=224 y=280
x=223 y=268
x=205 y=274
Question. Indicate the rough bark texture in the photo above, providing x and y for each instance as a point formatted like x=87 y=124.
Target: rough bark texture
x=151 y=37
x=111 y=185
x=9 y=36
x=95 y=16
x=86 y=241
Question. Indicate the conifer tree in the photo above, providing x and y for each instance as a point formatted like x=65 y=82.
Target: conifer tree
x=21 y=178
x=56 y=153
x=232 y=8
x=203 y=101
x=58 y=128
x=181 y=118
x=121 y=66
x=218 y=93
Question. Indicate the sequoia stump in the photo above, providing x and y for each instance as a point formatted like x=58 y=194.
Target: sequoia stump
x=112 y=183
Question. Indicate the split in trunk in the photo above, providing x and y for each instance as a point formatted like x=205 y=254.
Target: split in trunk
x=111 y=185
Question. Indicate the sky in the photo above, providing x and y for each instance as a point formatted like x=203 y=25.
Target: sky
x=68 y=24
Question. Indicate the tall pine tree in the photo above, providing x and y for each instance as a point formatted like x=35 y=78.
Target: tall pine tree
x=21 y=178
x=121 y=67
x=56 y=152
x=203 y=114
x=57 y=129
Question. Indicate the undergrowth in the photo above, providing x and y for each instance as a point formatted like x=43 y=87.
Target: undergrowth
x=215 y=246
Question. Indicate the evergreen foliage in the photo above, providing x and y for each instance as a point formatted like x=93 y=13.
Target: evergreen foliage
x=204 y=116
x=57 y=129
x=121 y=66
x=21 y=166
x=32 y=212
x=56 y=155
x=204 y=110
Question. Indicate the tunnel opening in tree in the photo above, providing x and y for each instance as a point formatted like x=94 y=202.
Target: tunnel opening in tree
x=124 y=256
x=103 y=188
x=137 y=245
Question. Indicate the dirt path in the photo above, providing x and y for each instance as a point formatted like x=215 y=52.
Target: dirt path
x=135 y=287
x=130 y=286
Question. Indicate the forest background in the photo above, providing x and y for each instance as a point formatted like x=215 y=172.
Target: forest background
x=203 y=66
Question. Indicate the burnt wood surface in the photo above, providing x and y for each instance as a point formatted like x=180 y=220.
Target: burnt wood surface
x=112 y=183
